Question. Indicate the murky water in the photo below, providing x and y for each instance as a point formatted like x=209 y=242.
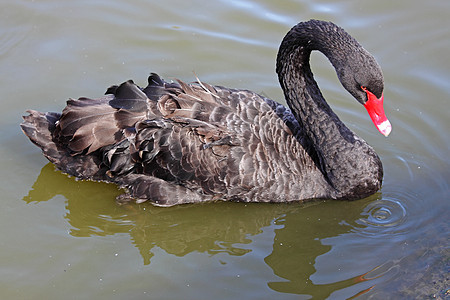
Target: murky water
x=66 y=239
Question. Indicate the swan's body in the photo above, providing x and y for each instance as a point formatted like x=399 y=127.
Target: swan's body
x=173 y=143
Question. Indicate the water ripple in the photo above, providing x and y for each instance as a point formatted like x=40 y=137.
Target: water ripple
x=387 y=216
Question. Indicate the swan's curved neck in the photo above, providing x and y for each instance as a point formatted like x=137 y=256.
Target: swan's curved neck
x=303 y=94
x=336 y=146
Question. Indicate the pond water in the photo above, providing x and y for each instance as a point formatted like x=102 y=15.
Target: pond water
x=63 y=238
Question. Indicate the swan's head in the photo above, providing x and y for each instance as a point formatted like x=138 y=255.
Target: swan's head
x=361 y=76
x=356 y=68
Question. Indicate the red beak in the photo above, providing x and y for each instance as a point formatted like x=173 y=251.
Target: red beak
x=375 y=109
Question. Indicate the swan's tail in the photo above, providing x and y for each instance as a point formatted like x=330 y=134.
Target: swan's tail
x=39 y=128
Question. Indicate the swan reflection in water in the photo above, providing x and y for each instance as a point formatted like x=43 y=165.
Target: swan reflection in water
x=211 y=228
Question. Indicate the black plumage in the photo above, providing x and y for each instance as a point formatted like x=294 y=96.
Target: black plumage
x=173 y=143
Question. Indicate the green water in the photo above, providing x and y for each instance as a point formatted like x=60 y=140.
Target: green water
x=62 y=238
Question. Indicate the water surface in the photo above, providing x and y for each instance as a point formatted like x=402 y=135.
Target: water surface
x=67 y=238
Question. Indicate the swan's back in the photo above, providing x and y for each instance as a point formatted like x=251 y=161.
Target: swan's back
x=174 y=143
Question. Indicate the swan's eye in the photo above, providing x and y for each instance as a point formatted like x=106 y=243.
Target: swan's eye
x=364 y=88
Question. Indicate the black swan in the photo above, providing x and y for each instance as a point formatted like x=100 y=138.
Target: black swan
x=172 y=142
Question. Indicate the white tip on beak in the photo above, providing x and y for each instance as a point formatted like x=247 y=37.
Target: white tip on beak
x=385 y=128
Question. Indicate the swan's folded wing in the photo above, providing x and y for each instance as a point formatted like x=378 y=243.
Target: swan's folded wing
x=89 y=124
